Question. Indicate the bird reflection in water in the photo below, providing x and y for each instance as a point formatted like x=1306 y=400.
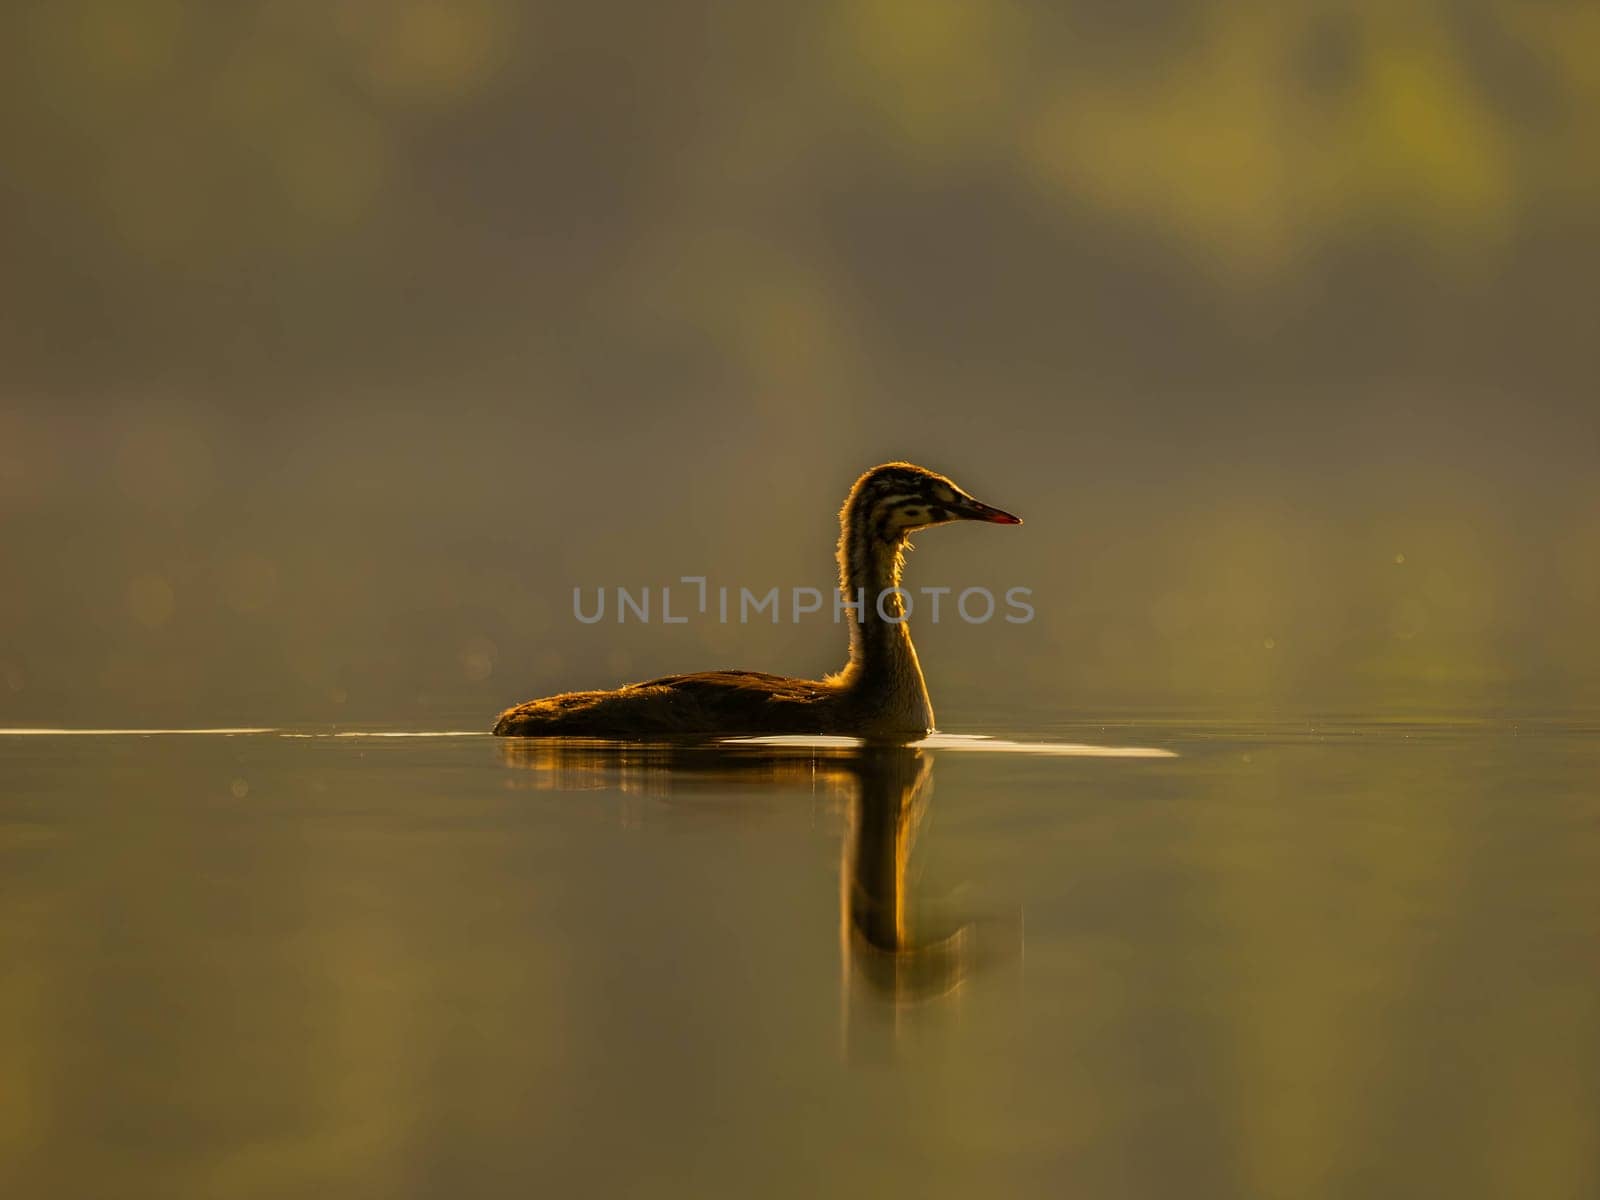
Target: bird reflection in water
x=885 y=946
x=885 y=790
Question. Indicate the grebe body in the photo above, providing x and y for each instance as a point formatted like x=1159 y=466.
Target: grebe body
x=880 y=692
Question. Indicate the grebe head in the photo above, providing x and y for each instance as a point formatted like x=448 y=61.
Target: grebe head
x=895 y=499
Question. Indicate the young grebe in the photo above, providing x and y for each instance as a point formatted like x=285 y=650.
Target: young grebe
x=880 y=692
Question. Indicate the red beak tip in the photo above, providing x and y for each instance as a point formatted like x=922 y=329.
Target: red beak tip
x=1005 y=519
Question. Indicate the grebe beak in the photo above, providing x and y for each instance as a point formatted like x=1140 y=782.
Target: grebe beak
x=969 y=509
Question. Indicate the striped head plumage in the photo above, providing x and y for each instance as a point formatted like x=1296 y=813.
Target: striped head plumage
x=896 y=499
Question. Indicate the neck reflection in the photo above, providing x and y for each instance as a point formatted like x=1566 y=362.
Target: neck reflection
x=885 y=945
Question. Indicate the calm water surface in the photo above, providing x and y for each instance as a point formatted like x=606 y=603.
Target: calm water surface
x=1291 y=960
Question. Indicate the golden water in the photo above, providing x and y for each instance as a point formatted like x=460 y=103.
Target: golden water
x=1295 y=959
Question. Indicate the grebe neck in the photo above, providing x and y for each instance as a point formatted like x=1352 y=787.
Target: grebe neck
x=883 y=665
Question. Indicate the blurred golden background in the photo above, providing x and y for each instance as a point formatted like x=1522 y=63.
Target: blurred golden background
x=342 y=340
